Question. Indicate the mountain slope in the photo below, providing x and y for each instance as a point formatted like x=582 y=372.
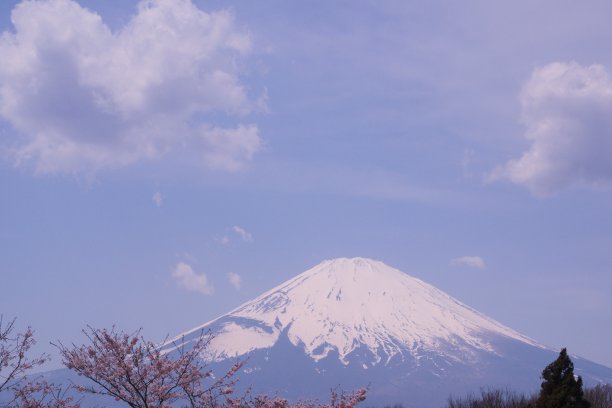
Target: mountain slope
x=344 y=304
x=356 y=322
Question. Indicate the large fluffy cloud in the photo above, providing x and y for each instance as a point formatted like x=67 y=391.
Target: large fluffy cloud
x=83 y=97
x=567 y=109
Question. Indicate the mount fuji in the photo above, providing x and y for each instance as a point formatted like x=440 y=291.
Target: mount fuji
x=353 y=323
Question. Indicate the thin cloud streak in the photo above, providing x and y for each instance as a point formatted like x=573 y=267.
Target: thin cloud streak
x=244 y=234
x=470 y=261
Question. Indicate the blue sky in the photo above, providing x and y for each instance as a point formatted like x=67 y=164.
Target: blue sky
x=163 y=162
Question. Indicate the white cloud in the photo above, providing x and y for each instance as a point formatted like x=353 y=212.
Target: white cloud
x=188 y=279
x=234 y=279
x=83 y=97
x=469 y=261
x=157 y=198
x=567 y=109
x=244 y=234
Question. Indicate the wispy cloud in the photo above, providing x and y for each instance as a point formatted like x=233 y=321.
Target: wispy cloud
x=157 y=198
x=244 y=234
x=567 y=109
x=469 y=261
x=84 y=97
x=466 y=162
x=355 y=180
x=234 y=279
x=190 y=280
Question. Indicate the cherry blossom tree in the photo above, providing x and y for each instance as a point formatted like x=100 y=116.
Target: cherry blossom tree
x=135 y=371
x=14 y=347
x=141 y=374
x=41 y=394
x=344 y=400
x=15 y=364
x=337 y=400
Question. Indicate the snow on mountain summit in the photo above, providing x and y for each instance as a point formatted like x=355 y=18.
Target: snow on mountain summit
x=343 y=305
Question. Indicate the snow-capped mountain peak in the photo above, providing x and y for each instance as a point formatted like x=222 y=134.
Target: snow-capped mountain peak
x=345 y=305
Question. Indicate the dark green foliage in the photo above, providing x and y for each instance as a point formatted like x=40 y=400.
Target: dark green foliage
x=493 y=399
x=560 y=389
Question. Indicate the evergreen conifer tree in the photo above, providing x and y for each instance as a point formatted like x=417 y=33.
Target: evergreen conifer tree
x=560 y=388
